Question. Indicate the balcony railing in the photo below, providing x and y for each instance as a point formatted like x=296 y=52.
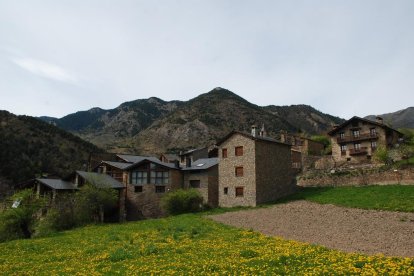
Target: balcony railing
x=361 y=136
x=362 y=150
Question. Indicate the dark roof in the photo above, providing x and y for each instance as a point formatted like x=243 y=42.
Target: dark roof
x=135 y=158
x=153 y=160
x=248 y=135
x=192 y=151
x=57 y=184
x=118 y=165
x=333 y=131
x=202 y=164
x=100 y=180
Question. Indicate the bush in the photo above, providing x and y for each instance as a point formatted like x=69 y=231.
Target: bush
x=381 y=155
x=182 y=201
x=16 y=223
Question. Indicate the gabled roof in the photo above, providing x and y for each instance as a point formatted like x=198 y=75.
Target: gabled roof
x=100 y=180
x=356 y=118
x=192 y=151
x=57 y=184
x=248 y=135
x=202 y=164
x=153 y=160
x=170 y=156
x=135 y=158
x=118 y=165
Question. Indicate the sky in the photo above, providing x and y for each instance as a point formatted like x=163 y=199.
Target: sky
x=344 y=58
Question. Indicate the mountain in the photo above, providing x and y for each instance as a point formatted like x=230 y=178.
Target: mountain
x=150 y=126
x=399 y=119
x=210 y=116
x=30 y=146
x=108 y=128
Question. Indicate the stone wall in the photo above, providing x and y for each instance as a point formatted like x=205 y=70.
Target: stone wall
x=227 y=177
x=208 y=184
x=359 y=178
x=273 y=171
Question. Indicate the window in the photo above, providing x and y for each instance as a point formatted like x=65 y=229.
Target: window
x=138 y=189
x=357 y=146
x=355 y=133
x=159 y=189
x=239 y=171
x=374 y=144
x=138 y=177
x=342 y=135
x=226 y=190
x=373 y=132
x=195 y=183
x=239 y=192
x=238 y=151
x=224 y=153
x=159 y=177
x=343 y=148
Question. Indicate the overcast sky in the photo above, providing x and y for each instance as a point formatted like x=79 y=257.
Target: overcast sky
x=344 y=58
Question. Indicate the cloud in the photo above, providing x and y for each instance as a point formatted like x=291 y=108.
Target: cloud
x=44 y=69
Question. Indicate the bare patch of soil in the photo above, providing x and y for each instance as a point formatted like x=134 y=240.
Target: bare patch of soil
x=346 y=229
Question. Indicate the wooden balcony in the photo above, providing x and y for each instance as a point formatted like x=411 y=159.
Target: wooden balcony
x=360 y=137
x=362 y=150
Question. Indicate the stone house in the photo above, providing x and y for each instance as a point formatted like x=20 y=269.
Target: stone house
x=357 y=139
x=188 y=157
x=203 y=176
x=148 y=181
x=253 y=169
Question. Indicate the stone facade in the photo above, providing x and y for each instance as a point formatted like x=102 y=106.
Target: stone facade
x=357 y=139
x=143 y=199
x=207 y=181
x=266 y=170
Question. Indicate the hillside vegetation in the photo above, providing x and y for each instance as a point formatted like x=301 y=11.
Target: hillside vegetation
x=186 y=245
x=29 y=147
x=152 y=126
x=400 y=119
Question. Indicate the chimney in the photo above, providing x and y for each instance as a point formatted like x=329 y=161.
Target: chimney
x=380 y=120
x=283 y=136
x=262 y=132
x=254 y=130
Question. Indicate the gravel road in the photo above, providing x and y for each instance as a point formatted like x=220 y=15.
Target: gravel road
x=346 y=229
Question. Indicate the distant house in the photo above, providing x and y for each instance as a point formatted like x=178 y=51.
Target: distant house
x=357 y=139
x=48 y=187
x=253 y=169
x=203 y=176
x=170 y=158
x=188 y=157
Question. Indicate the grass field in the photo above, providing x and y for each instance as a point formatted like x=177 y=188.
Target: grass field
x=186 y=244
x=390 y=197
x=192 y=244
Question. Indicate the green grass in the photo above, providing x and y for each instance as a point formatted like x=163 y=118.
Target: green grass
x=183 y=245
x=388 y=197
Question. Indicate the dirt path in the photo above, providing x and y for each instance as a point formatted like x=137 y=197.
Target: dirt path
x=346 y=229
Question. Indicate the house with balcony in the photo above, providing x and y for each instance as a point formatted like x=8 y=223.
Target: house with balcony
x=357 y=139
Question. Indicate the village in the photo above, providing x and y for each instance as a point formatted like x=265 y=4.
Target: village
x=241 y=169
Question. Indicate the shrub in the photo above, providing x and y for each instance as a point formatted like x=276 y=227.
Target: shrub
x=182 y=201
x=381 y=155
x=19 y=222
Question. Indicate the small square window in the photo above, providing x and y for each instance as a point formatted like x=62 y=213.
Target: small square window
x=138 y=189
x=238 y=151
x=239 y=192
x=224 y=153
x=226 y=190
x=195 y=183
x=159 y=189
x=239 y=171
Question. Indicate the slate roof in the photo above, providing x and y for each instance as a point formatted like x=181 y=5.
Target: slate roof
x=153 y=160
x=171 y=157
x=248 y=135
x=100 y=180
x=356 y=118
x=136 y=158
x=191 y=151
x=57 y=184
x=118 y=165
x=202 y=164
